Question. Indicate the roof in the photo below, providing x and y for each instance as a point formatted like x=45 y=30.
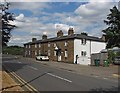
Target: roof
x=75 y=36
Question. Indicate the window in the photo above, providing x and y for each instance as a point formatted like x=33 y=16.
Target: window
x=83 y=41
x=39 y=45
x=66 y=43
x=35 y=53
x=26 y=46
x=66 y=53
x=48 y=44
x=39 y=52
x=54 y=44
x=83 y=53
x=48 y=52
x=35 y=45
x=29 y=52
x=29 y=46
x=54 y=53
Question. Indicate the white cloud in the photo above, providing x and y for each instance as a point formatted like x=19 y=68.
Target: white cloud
x=86 y=18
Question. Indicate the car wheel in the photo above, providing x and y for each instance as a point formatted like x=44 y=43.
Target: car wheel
x=40 y=59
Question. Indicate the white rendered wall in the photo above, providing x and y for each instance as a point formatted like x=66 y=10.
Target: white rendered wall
x=90 y=47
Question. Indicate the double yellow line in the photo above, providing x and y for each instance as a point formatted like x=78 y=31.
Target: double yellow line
x=23 y=82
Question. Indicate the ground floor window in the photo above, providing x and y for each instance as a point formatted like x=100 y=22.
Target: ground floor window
x=66 y=53
x=83 y=53
x=54 y=53
x=48 y=52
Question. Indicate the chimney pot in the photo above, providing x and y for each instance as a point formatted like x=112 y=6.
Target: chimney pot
x=70 y=31
x=34 y=39
x=59 y=33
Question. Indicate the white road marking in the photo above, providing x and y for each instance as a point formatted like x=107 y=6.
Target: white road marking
x=19 y=62
x=105 y=78
x=59 y=77
x=33 y=67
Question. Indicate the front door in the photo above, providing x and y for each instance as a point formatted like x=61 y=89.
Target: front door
x=59 y=57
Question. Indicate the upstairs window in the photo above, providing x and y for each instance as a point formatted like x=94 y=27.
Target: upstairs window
x=83 y=41
x=54 y=44
x=35 y=45
x=29 y=46
x=66 y=43
x=39 y=45
x=83 y=53
x=48 y=44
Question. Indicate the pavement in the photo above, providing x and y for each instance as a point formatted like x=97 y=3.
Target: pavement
x=111 y=72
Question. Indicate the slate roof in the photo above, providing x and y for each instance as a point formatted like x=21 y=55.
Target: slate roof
x=75 y=36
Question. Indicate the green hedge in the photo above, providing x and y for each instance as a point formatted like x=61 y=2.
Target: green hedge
x=14 y=50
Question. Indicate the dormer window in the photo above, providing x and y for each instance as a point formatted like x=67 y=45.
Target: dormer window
x=83 y=41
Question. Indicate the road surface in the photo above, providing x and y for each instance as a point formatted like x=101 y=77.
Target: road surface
x=44 y=78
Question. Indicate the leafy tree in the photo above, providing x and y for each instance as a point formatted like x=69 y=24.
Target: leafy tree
x=112 y=32
x=6 y=27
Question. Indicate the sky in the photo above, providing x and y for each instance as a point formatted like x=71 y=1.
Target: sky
x=33 y=19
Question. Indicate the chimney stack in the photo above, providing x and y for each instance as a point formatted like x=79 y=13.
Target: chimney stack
x=34 y=39
x=59 y=33
x=70 y=31
x=44 y=37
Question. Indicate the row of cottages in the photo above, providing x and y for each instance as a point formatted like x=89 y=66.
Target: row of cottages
x=71 y=48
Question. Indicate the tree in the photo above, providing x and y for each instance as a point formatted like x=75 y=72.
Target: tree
x=112 y=32
x=6 y=27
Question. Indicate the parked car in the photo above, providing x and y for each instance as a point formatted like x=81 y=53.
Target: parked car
x=42 y=58
x=116 y=60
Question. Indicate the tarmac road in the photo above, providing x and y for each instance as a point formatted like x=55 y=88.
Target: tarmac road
x=44 y=78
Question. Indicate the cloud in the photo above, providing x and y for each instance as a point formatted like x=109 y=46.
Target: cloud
x=86 y=18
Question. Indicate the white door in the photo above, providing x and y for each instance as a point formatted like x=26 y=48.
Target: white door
x=59 y=58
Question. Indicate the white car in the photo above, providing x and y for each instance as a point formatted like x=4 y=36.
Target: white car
x=42 y=58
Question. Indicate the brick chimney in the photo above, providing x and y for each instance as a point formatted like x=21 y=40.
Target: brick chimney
x=70 y=31
x=103 y=37
x=44 y=37
x=59 y=33
x=34 y=39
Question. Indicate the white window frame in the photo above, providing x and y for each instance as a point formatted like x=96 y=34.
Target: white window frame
x=66 y=53
x=35 y=45
x=39 y=52
x=55 y=53
x=29 y=53
x=83 y=53
x=35 y=52
x=39 y=45
x=48 y=44
x=66 y=43
x=48 y=52
x=55 y=45
x=29 y=46
x=83 y=41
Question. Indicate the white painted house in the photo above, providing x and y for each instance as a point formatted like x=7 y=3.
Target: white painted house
x=85 y=47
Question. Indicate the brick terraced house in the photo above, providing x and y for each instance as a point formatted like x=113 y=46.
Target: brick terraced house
x=71 y=48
